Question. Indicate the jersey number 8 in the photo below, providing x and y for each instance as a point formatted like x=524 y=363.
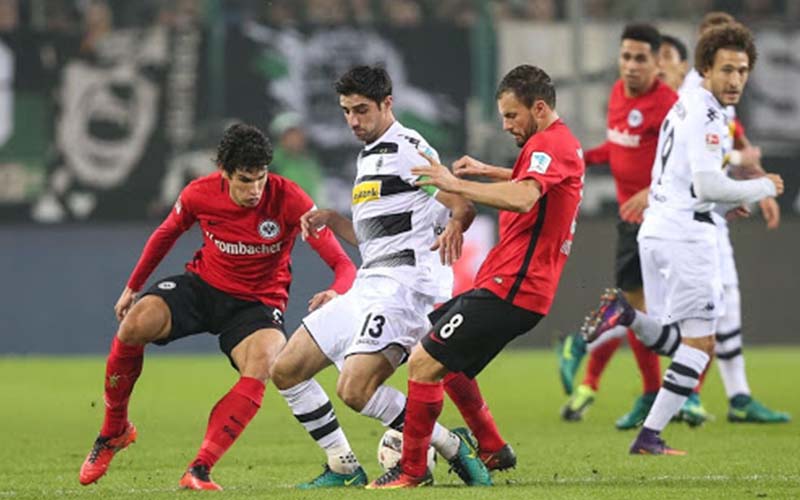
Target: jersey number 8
x=447 y=330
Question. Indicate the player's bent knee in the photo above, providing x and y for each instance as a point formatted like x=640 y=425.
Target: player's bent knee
x=698 y=333
x=256 y=354
x=149 y=320
x=284 y=374
x=353 y=392
x=422 y=367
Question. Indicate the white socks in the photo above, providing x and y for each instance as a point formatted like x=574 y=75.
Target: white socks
x=679 y=381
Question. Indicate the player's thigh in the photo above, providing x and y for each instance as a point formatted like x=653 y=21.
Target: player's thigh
x=361 y=376
x=180 y=298
x=731 y=320
x=653 y=276
x=693 y=286
x=236 y=321
x=256 y=353
x=727 y=262
x=149 y=320
x=391 y=319
x=474 y=329
x=299 y=360
x=377 y=315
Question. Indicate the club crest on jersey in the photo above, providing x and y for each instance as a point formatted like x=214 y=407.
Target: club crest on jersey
x=712 y=142
x=178 y=206
x=635 y=118
x=269 y=229
x=539 y=162
x=366 y=191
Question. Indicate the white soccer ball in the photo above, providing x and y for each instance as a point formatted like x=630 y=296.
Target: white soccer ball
x=390 y=448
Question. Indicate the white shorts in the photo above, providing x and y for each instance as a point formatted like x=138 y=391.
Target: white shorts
x=378 y=314
x=727 y=264
x=681 y=279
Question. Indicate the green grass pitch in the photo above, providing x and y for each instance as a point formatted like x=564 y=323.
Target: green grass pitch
x=52 y=408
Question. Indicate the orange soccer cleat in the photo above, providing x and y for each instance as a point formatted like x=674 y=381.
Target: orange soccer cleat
x=103 y=450
x=395 y=478
x=198 y=478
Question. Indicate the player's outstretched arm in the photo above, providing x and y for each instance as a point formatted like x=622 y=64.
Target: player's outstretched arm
x=597 y=156
x=633 y=209
x=512 y=196
x=451 y=241
x=157 y=246
x=771 y=212
x=469 y=166
x=313 y=221
x=714 y=186
x=329 y=249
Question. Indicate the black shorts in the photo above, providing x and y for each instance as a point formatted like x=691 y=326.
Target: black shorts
x=627 y=268
x=197 y=307
x=472 y=328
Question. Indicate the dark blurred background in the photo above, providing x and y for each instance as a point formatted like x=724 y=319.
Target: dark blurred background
x=109 y=107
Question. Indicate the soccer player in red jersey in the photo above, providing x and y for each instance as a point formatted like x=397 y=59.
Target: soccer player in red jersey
x=637 y=105
x=514 y=288
x=235 y=287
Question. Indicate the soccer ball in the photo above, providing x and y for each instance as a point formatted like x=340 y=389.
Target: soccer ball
x=391 y=447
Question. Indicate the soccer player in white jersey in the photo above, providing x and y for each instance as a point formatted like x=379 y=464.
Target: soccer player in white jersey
x=730 y=359
x=369 y=331
x=678 y=239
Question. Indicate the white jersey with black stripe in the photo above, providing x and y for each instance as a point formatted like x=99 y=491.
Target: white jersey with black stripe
x=694 y=137
x=395 y=221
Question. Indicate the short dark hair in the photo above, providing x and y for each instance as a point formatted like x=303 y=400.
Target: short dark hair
x=646 y=33
x=732 y=36
x=243 y=147
x=715 y=18
x=372 y=82
x=676 y=42
x=528 y=83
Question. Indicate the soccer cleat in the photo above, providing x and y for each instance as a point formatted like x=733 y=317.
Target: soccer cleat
x=648 y=442
x=198 y=477
x=750 y=410
x=331 y=479
x=692 y=411
x=635 y=417
x=395 y=478
x=613 y=310
x=468 y=465
x=578 y=403
x=103 y=450
x=571 y=350
x=499 y=460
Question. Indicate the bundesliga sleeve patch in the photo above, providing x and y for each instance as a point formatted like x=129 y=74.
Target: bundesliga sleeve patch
x=539 y=162
x=712 y=142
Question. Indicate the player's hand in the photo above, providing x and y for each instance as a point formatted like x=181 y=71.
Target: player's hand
x=312 y=221
x=771 y=212
x=435 y=174
x=778 y=181
x=751 y=157
x=124 y=303
x=321 y=298
x=740 y=212
x=450 y=242
x=467 y=165
x=633 y=209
